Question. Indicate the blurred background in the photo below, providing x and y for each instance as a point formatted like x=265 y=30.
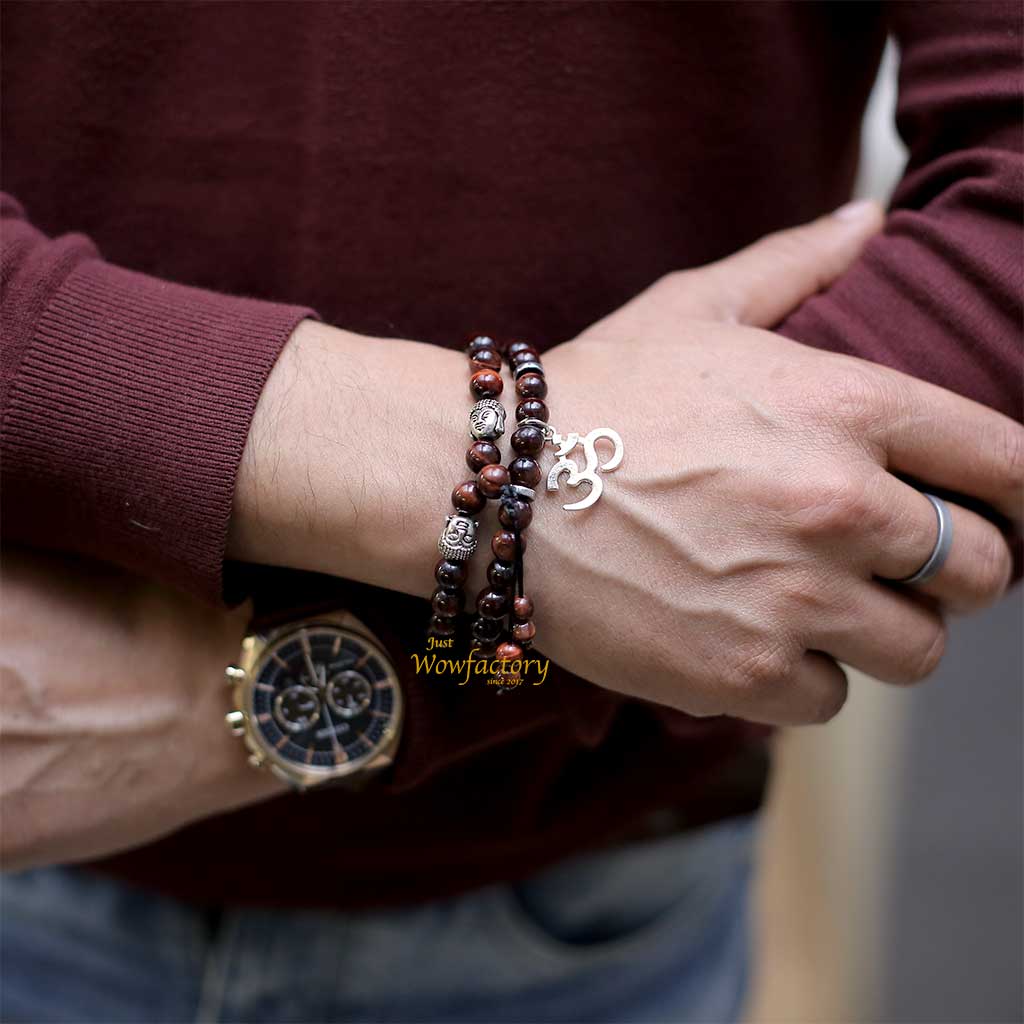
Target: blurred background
x=891 y=880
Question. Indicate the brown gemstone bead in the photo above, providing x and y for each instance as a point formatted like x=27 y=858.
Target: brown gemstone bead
x=524 y=515
x=517 y=346
x=527 y=440
x=504 y=545
x=481 y=341
x=487 y=630
x=485 y=359
x=531 y=385
x=524 y=632
x=523 y=355
x=522 y=607
x=492 y=604
x=491 y=479
x=480 y=454
x=531 y=409
x=450 y=574
x=501 y=574
x=524 y=471
x=508 y=652
x=447 y=603
x=441 y=626
x=467 y=498
x=487 y=384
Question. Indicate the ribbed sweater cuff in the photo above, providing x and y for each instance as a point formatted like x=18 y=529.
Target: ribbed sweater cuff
x=128 y=417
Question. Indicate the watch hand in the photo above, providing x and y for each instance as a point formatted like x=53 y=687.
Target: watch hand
x=308 y=655
x=330 y=728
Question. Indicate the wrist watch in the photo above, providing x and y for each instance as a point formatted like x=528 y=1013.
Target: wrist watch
x=317 y=701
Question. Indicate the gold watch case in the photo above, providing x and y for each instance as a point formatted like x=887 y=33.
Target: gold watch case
x=257 y=650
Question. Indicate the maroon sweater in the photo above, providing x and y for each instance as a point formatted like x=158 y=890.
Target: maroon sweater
x=418 y=170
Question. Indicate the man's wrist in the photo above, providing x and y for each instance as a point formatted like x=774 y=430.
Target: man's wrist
x=349 y=459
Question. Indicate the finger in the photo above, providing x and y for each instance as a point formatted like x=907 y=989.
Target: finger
x=950 y=442
x=890 y=635
x=760 y=284
x=975 y=574
x=811 y=693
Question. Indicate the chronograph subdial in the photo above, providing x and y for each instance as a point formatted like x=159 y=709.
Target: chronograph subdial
x=297 y=708
x=349 y=693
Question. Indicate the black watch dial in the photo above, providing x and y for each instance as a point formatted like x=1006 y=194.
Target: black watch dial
x=325 y=697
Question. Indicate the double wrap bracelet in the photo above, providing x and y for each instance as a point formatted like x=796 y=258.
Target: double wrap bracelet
x=459 y=537
x=504 y=597
x=503 y=626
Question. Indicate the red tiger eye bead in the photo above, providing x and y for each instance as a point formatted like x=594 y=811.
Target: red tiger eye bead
x=522 y=607
x=527 y=440
x=504 y=545
x=467 y=498
x=486 y=630
x=447 y=603
x=501 y=574
x=480 y=454
x=524 y=632
x=517 y=346
x=523 y=517
x=491 y=479
x=531 y=409
x=486 y=384
x=477 y=342
x=492 y=604
x=441 y=626
x=508 y=652
x=485 y=359
x=523 y=355
x=450 y=574
x=531 y=385
x=524 y=471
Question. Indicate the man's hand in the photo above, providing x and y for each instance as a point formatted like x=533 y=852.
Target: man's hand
x=113 y=705
x=742 y=547
x=738 y=550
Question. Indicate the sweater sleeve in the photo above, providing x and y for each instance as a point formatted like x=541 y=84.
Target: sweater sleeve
x=125 y=403
x=938 y=294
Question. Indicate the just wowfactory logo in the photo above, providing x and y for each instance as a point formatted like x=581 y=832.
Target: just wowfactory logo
x=503 y=673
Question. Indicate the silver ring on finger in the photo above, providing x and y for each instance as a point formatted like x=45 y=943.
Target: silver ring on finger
x=943 y=544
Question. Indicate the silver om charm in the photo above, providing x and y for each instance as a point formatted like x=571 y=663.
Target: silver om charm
x=458 y=538
x=592 y=463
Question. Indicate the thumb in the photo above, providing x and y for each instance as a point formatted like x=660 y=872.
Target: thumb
x=760 y=284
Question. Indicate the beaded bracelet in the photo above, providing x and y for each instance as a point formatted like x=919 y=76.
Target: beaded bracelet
x=458 y=537
x=515 y=492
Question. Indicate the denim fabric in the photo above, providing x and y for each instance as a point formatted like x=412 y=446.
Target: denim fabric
x=654 y=931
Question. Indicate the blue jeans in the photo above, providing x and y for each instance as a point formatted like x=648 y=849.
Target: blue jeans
x=652 y=931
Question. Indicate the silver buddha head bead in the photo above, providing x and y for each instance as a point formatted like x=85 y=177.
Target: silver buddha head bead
x=487 y=420
x=458 y=538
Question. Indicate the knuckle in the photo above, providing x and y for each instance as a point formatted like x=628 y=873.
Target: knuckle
x=829 y=702
x=714 y=291
x=854 y=397
x=691 y=293
x=993 y=567
x=761 y=667
x=835 y=503
x=671 y=282
x=1009 y=448
x=921 y=660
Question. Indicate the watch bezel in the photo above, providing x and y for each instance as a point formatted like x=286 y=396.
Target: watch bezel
x=257 y=648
